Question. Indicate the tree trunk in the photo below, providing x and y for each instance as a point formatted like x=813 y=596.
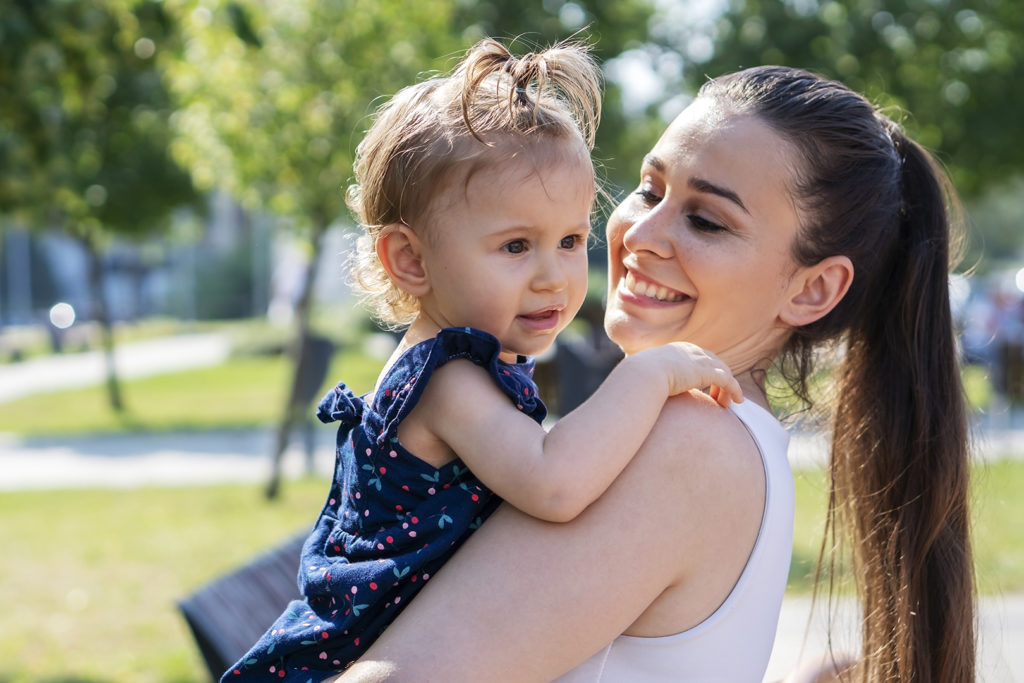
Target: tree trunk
x=101 y=314
x=300 y=354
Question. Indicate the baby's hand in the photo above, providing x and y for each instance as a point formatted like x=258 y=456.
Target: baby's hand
x=687 y=366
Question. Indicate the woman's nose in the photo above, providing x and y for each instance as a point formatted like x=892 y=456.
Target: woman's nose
x=648 y=232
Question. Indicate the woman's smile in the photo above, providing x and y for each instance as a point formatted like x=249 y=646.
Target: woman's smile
x=636 y=286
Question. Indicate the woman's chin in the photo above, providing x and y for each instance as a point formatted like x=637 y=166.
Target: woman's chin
x=627 y=332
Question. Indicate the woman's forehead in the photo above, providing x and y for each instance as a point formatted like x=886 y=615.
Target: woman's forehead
x=711 y=142
x=708 y=123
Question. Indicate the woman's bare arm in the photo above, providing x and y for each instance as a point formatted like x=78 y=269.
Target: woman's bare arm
x=528 y=600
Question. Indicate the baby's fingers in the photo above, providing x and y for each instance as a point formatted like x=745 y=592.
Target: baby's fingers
x=725 y=390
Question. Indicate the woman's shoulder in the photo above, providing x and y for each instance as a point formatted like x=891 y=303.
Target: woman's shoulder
x=694 y=419
x=696 y=437
x=697 y=489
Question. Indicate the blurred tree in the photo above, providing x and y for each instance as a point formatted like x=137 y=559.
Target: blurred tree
x=951 y=65
x=996 y=240
x=276 y=96
x=83 y=128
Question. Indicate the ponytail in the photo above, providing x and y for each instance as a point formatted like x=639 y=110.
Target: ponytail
x=899 y=463
x=899 y=466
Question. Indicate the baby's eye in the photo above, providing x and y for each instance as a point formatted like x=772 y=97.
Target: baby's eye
x=515 y=247
x=570 y=242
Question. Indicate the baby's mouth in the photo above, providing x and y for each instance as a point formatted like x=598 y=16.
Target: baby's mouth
x=651 y=290
x=541 y=315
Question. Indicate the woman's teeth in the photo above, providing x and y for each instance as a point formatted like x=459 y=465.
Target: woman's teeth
x=651 y=290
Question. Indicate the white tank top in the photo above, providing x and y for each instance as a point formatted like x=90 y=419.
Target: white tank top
x=734 y=644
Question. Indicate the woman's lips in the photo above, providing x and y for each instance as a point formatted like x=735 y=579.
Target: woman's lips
x=651 y=290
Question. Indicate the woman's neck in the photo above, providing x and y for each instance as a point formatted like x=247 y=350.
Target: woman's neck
x=752 y=384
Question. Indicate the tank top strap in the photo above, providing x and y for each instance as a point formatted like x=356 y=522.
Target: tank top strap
x=408 y=377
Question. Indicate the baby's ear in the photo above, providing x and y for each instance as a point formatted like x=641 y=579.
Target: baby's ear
x=816 y=290
x=398 y=249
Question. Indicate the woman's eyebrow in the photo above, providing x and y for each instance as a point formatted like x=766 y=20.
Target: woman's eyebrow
x=701 y=185
x=656 y=162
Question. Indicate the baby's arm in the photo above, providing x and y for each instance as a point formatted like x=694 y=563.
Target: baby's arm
x=555 y=475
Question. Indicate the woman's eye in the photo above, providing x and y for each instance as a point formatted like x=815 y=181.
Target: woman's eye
x=570 y=242
x=515 y=247
x=704 y=225
x=647 y=196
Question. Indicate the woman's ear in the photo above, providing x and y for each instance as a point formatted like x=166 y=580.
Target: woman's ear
x=398 y=249
x=816 y=290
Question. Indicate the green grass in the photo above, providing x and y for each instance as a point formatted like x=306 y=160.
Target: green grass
x=245 y=391
x=90 y=577
x=978 y=387
x=997 y=505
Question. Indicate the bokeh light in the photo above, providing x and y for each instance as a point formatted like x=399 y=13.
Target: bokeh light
x=62 y=316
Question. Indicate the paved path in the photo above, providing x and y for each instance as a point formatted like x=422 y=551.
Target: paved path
x=1000 y=637
x=136 y=359
x=166 y=459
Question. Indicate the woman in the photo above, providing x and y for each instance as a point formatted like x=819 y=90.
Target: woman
x=779 y=212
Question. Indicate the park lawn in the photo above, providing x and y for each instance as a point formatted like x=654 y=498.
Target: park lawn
x=244 y=391
x=997 y=505
x=91 y=576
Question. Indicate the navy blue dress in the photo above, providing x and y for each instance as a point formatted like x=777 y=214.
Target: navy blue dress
x=390 y=521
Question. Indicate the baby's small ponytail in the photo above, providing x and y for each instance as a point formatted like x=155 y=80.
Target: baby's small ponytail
x=530 y=88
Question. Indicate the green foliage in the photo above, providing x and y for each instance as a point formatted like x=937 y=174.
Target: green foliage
x=83 y=120
x=949 y=65
x=275 y=95
x=994 y=228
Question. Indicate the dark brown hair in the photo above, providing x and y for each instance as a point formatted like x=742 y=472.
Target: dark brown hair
x=461 y=121
x=899 y=464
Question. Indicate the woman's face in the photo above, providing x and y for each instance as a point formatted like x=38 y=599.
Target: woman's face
x=700 y=252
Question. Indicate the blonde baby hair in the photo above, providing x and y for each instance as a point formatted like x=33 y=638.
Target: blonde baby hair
x=430 y=129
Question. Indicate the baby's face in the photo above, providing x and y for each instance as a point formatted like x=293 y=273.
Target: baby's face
x=507 y=249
